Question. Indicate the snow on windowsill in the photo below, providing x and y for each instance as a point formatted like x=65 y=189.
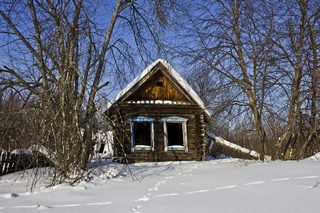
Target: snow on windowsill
x=176 y=147
x=142 y=147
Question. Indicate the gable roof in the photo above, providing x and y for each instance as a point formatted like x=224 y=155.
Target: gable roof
x=173 y=73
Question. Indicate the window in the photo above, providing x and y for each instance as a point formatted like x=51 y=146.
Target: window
x=159 y=83
x=141 y=133
x=175 y=133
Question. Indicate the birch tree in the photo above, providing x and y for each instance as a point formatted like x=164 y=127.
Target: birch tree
x=61 y=52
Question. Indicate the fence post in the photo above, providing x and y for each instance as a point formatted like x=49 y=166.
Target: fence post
x=12 y=163
x=1 y=162
x=8 y=163
x=6 y=160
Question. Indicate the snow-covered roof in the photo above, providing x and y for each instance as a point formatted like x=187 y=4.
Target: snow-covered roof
x=174 y=74
x=22 y=151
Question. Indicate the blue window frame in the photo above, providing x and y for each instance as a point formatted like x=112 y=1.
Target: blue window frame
x=141 y=133
x=175 y=133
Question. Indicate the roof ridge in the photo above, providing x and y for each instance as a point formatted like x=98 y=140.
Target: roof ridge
x=181 y=81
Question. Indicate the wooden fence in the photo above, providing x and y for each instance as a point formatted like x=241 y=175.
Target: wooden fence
x=10 y=163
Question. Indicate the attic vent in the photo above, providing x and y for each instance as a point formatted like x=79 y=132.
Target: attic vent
x=159 y=83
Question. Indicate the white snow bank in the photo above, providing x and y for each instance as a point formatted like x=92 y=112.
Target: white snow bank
x=315 y=156
x=111 y=173
x=175 y=187
x=22 y=151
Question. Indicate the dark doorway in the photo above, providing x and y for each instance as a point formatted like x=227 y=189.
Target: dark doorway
x=101 y=148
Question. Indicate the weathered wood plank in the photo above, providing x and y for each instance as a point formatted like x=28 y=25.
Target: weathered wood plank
x=157 y=88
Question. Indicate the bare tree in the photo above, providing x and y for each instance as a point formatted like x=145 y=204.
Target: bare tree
x=268 y=51
x=312 y=23
x=234 y=41
x=297 y=48
x=61 y=53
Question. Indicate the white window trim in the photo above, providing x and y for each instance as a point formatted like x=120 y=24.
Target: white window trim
x=141 y=119
x=175 y=119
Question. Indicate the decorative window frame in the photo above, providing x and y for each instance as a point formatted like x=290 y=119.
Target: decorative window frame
x=141 y=119
x=175 y=119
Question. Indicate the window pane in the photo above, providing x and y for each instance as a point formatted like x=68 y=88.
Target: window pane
x=142 y=135
x=175 y=134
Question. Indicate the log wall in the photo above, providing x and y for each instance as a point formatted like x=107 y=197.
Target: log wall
x=195 y=132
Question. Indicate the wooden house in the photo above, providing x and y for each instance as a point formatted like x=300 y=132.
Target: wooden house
x=159 y=117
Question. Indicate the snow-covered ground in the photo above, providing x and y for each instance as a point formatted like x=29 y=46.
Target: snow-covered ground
x=228 y=185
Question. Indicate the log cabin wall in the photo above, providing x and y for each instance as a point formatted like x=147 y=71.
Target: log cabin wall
x=157 y=105
x=195 y=128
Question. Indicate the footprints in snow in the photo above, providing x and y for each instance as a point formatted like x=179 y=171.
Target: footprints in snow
x=158 y=184
x=135 y=209
x=147 y=196
x=156 y=188
x=144 y=198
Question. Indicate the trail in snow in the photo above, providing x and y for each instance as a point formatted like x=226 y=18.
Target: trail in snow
x=146 y=198
x=190 y=171
x=176 y=187
x=158 y=185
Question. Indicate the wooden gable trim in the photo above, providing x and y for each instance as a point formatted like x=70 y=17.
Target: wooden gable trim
x=168 y=91
x=177 y=86
x=173 y=77
x=159 y=67
x=140 y=83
